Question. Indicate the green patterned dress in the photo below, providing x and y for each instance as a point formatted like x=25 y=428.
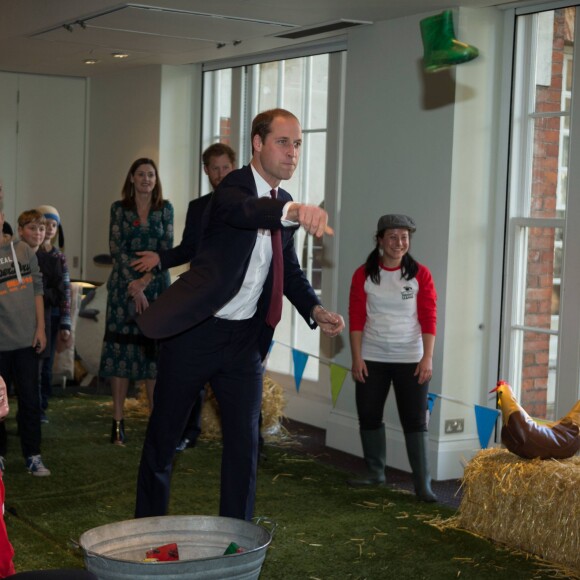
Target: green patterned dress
x=126 y=352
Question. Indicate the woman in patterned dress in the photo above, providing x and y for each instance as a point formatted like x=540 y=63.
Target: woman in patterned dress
x=141 y=220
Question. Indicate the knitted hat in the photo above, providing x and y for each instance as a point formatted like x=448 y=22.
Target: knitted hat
x=49 y=212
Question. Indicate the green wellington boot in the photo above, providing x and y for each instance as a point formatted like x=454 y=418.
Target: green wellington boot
x=417 y=453
x=441 y=49
x=375 y=453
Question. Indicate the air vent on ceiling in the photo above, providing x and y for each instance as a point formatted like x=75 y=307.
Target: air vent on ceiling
x=320 y=28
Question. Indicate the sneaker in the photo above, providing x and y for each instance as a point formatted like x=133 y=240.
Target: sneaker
x=2 y=465
x=36 y=467
x=43 y=417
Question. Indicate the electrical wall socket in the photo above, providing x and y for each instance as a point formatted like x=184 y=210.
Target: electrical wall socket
x=454 y=426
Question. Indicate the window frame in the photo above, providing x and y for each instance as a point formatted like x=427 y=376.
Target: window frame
x=245 y=83
x=517 y=219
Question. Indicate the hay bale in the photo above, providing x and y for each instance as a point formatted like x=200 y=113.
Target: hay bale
x=273 y=404
x=531 y=505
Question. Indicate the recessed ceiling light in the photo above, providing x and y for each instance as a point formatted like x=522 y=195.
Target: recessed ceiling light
x=119 y=55
x=91 y=61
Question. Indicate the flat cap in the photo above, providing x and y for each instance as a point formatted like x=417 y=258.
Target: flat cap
x=396 y=220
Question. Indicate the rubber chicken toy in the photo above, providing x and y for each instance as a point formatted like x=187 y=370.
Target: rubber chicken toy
x=527 y=438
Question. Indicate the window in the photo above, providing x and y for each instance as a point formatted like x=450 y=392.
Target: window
x=301 y=86
x=539 y=214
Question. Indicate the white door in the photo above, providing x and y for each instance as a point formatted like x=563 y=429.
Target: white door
x=50 y=157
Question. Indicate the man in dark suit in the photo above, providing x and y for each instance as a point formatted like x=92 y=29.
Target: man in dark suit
x=216 y=323
x=218 y=160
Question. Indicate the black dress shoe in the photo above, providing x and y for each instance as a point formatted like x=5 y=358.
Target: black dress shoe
x=185 y=443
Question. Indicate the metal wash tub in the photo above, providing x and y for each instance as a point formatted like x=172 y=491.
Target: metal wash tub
x=116 y=551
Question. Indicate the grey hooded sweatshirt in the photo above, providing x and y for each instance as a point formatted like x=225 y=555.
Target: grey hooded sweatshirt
x=20 y=282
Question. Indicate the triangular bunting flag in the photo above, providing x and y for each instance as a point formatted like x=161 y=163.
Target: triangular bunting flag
x=485 y=419
x=267 y=357
x=300 y=359
x=337 y=376
x=431 y=398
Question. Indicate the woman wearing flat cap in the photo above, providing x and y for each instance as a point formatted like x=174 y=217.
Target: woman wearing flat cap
x=393 y=316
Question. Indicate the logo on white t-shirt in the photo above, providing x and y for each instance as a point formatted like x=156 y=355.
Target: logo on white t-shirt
x=407 y=293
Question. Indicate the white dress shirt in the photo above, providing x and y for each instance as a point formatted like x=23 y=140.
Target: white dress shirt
x=244 y=304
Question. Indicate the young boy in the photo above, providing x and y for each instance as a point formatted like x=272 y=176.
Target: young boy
x=22 y=334
x=58 y=311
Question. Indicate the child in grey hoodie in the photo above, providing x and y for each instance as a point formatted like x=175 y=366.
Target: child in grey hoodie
x=22 y=339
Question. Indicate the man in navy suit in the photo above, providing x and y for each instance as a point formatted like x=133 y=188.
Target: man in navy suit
x=212 y=322
x=218 y=160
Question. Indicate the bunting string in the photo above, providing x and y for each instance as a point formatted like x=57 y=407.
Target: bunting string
x=485 y=418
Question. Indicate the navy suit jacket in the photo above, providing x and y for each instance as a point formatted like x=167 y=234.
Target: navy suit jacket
x=191 y=235
x=231 y=222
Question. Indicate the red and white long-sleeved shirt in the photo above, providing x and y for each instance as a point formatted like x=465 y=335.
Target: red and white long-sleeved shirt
x=394 y=314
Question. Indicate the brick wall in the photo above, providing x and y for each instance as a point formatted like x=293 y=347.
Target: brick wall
x=225 y=130
x=540 y=266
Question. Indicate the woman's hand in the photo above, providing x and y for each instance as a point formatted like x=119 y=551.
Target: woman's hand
x=424 y=369
x=359 y=370
x=141 y=303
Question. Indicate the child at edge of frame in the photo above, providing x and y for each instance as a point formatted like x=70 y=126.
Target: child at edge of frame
x=23 y=336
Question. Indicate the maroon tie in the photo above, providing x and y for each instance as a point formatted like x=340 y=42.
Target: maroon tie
x=275 y=310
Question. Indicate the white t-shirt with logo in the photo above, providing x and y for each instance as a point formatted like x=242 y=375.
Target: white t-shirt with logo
x=394 y=314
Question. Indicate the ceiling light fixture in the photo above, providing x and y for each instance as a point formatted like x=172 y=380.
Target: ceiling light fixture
x=119 y=55
x=90 y=61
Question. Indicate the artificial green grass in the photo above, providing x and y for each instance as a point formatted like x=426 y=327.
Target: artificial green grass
x=325 y=530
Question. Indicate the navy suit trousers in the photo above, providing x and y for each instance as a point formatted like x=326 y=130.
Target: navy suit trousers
x=226 y=354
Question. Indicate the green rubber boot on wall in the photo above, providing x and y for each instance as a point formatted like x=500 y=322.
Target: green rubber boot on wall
x=417 y=453
x=441 y=49
x=375 y=452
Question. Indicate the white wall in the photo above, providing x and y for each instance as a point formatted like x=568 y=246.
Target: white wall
x=180 y=140
x=476 y=209
x=151 y=112
x=42 y=149
x=8 y=148
x=124 y=124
